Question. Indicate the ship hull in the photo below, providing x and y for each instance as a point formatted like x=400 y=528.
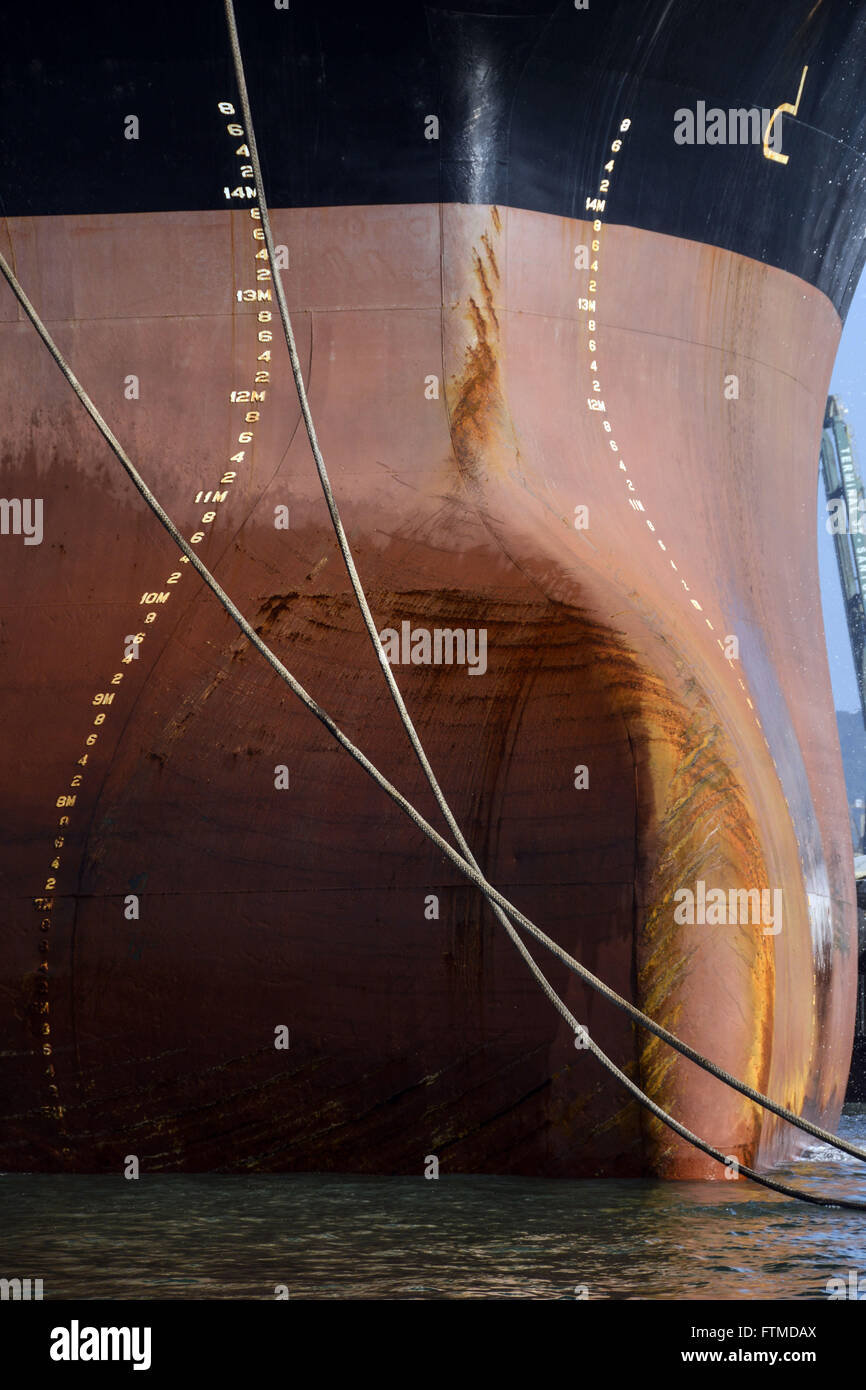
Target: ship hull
x=611 y=752
x=568 y=373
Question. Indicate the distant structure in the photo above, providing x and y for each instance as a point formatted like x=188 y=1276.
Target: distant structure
x=846 y=521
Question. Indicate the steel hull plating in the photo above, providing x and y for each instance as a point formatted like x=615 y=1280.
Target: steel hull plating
x=606 y=464
x=309 y=906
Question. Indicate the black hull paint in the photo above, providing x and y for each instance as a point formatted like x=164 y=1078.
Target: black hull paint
x=341 y=92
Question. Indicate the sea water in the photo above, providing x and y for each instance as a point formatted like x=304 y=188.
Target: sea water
x=315 y=1236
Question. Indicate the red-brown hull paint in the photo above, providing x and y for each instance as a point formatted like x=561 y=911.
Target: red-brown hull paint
x=305 y=907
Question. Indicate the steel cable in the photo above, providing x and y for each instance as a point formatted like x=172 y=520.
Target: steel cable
x=373 y=633
x=464 y=863
x=472 y=873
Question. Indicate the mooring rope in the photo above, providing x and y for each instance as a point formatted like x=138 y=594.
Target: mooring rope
x=466 y=865
x=471 y=872
x=394 y=689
